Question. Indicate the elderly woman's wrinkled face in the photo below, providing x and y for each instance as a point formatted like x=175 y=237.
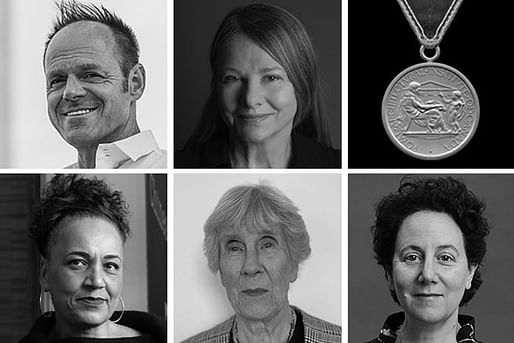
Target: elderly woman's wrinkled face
x=256 y=270
x=84 y=271
x=430 y=267
x=255 y=96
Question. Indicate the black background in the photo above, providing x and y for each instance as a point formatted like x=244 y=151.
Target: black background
x=381 y=44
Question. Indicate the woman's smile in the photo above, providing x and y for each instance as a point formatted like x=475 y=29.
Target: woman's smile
x=250 y=119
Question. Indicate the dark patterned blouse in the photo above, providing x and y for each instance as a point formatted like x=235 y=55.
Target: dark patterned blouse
x=388 y=334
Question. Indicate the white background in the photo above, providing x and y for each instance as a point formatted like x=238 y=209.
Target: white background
x=27 y=137
x=200 y=299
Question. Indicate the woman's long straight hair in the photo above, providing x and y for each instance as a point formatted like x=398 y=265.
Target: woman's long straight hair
x=285 y=39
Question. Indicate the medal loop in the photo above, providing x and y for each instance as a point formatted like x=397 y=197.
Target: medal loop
x=423 y=55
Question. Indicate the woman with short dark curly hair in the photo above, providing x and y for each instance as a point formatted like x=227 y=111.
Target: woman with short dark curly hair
x=429 y=237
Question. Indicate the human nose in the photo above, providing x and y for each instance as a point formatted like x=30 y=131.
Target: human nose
x=252 y=265
x=428 y=273
x=252 y=96
x=73 y=89
x=95 y=278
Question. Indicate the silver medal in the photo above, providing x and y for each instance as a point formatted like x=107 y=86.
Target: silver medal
x=430 y=110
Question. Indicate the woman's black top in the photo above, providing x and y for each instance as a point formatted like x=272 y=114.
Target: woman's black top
x=305 y=153
x=153 y=330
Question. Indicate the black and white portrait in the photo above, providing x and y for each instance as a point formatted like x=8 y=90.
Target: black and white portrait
x=96 y=75
x=259 y=85
x=429 y=250
x=282 y=282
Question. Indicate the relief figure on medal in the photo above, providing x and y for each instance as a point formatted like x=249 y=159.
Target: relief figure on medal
x=430 y=110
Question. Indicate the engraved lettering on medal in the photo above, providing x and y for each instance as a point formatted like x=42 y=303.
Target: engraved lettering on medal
x=430 y=110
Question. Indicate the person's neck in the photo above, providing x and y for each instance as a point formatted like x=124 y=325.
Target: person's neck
x=274 y=330
x=272 y=153
x=415 y=331
x=87 y=153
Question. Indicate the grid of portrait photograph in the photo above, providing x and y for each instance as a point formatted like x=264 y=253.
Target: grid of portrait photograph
x=247 y=171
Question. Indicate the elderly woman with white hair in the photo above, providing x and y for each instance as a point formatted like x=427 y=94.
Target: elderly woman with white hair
x=256 y=238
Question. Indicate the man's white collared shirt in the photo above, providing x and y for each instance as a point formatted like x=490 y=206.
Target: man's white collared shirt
x=138 y=151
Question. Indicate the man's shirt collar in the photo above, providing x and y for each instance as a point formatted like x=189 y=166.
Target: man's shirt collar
x=137 y=151
x=112 y=155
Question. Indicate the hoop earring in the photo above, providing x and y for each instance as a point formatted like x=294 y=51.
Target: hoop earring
x=122 y=310
x=46 y=314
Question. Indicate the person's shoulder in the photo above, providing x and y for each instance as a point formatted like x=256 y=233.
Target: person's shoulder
x=144 y=322
x=218 y=334
x=212 y=153
x=325 y=332
x=307 y=153
x=188 y=157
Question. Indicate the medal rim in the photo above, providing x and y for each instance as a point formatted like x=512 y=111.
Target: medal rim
x=393 y=138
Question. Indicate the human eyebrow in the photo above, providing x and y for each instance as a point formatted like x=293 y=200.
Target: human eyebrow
x=230 y=237
x=77 y=69
x=450 y=247
x=269 y=234
x=410 y=247
x=111 y=257
x=271 y=70
x=79 y=253
x=230 y=69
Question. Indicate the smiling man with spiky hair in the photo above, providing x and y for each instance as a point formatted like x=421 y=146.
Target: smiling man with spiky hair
x=93 y=80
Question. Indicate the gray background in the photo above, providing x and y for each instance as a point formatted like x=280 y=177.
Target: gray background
x=369 y=301
x=195 y=23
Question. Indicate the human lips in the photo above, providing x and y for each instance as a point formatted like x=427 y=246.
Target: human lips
x=78 y=111
x=254 y=292
x=92 y=301
x=427 y=295
x=253 y=118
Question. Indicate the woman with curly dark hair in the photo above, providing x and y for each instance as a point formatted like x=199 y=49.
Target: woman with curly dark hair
x=429 y=237
x=80 y=229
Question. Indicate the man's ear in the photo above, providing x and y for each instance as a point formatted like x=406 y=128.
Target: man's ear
x=43 y=275
x=137 y=81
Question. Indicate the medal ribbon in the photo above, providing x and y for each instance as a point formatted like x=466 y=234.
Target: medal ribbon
x=429 y=18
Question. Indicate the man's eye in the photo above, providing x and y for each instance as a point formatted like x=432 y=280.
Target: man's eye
x=55 y=82
x=92 y=77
